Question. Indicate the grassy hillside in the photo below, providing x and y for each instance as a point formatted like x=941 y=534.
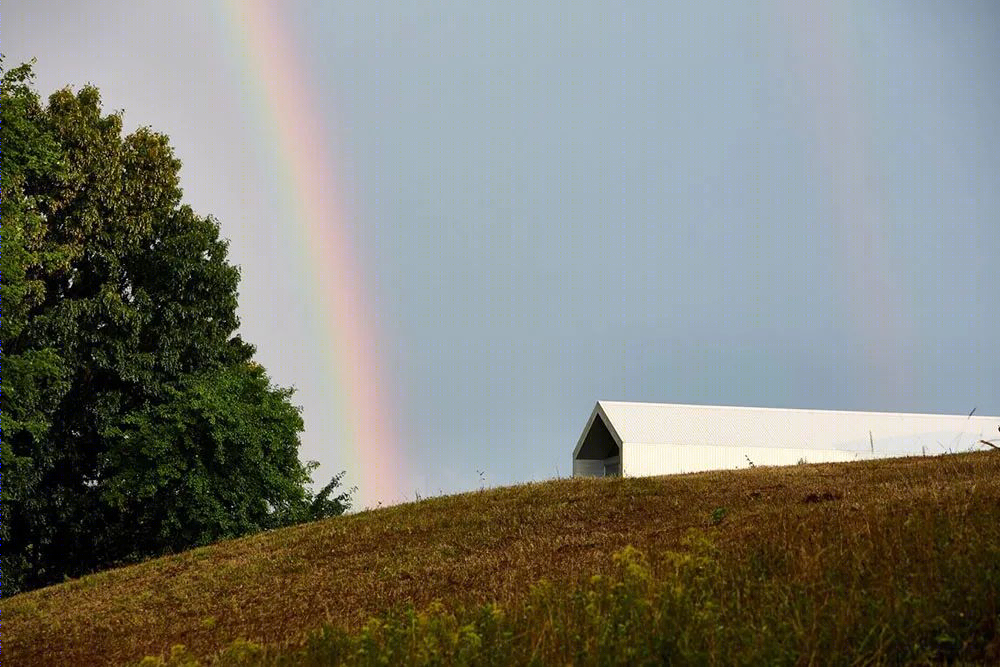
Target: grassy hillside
x=884 y=561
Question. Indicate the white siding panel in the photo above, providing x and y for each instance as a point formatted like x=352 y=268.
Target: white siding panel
x=643 y=459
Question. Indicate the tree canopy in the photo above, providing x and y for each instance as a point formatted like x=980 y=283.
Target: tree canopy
x=134 y=419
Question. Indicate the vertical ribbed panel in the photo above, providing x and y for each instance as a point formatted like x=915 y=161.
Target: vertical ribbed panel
x=643 y=459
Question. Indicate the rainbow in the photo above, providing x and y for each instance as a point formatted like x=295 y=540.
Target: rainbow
x=300 y=141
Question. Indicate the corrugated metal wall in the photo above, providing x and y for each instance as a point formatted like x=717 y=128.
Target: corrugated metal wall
x=640 y=460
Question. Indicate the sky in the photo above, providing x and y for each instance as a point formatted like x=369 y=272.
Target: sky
x=460 y=224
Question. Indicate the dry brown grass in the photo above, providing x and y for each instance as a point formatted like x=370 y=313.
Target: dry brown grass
x=476 y=547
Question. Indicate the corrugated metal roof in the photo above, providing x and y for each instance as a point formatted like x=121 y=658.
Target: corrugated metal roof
x=777 y=427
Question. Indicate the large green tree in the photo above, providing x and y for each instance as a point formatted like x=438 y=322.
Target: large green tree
x=135 y=421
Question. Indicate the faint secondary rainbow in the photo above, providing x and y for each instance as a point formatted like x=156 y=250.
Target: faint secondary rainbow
x=824 y=35
x=301 y=142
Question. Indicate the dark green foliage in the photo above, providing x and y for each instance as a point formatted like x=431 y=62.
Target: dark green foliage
x=134 y=419
x=718 y=514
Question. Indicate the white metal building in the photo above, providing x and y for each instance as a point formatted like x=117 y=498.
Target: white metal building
x=641 y=439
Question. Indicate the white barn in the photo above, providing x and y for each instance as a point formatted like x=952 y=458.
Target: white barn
x=641 y=439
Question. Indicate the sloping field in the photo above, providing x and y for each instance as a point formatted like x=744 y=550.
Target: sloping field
x=849 y=536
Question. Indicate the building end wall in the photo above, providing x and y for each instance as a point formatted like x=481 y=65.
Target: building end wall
x=588 y=468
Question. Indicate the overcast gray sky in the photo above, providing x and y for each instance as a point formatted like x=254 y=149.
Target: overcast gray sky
x=775 y=203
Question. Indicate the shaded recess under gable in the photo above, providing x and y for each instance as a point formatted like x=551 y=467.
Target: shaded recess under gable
x=598 y=443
